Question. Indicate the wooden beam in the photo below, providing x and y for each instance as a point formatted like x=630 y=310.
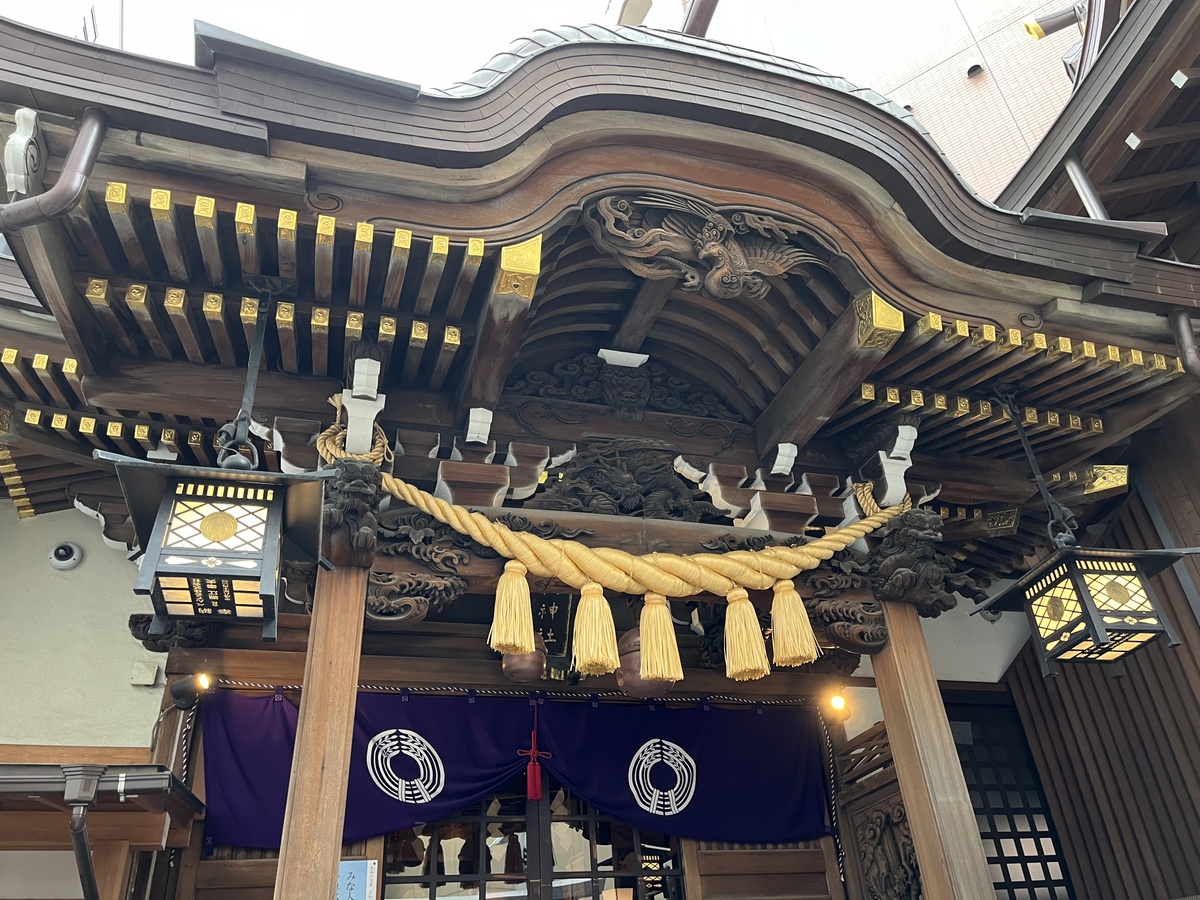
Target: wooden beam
x=834 y=370
x=310 y=851
x=501 y=325
x=248 y=313
x=944 y=832
x=353 y=334
x=210 y=246
x=166 y=225
x=137 y=300
x=397 y=266
x=465 y=281
x=285 y=330
x=100 y=296
x=170 y=387
x=323 y=258
x=386 y=341
x=47 y=374
x=245 y=224
x=285 y=243
x=418 y=337
x=435 y=265
x=1186 y=78
x=218 y=328
x=112 y=862
x=1144 y=184
x=360 y=265
x=66 y=754
x=83 y=224
x=1159 y=137
x=180 y=316
x=120 y=211
x=48 y=255
x=319 y=333
x=26 y=830
x=451 y=340
x=639 y=318
x=22 y=376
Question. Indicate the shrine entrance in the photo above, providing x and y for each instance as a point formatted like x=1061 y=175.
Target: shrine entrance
x=558 y=847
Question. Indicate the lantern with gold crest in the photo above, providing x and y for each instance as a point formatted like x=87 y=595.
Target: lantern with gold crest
x=1090 y=605
x=1084 y=603
x=214 y=539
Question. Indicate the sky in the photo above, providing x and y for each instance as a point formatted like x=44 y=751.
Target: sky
x=438 y=43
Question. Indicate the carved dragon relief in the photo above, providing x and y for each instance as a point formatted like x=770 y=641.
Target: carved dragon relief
x=399 y=599
x=625 y=477
x=179 y=633
x=851 y=623
x=348 y=515
x=907 y=566
x=722 y=255
x=629 y=391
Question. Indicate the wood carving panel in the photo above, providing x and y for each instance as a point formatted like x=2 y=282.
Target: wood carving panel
x=630 y=392
x=625 y=477
x=907 y=566
x=722 y=255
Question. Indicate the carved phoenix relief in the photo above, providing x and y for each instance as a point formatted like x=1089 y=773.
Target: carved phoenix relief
x=721 y=255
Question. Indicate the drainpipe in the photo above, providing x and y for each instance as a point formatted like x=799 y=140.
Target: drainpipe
x=1185 y=340
x=72 y=183
x=80 y=794
x=1180 y=319
x=699 y=15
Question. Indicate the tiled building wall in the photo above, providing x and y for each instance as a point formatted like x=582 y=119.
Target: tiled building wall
x=918 y=54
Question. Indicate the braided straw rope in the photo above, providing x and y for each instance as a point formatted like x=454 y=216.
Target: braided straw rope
x=662 y=573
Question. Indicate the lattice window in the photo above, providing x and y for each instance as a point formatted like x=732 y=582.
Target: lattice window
x=1014 y=822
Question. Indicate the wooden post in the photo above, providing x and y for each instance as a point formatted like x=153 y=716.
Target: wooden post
x=944 y=832
x=311 y=849
x=112 y=861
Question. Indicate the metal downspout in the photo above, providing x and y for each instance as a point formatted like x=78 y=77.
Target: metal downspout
x=83 y=853
x=71 y=184
x=1185 y=341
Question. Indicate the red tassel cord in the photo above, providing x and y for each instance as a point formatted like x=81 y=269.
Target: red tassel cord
x=533 y=771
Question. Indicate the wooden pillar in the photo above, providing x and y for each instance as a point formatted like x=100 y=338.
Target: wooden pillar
x=112 y=861
x=312 y=826
x=944 y=832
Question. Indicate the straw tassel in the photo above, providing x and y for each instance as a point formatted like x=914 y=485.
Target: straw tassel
x=660 y=651
x=512 y=622
x=745 y=650
x=595 y=637
x=792 y=639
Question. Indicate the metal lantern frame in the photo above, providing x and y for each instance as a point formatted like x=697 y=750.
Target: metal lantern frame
x=1084 y=603
x=214 y=575
x=1090 y=605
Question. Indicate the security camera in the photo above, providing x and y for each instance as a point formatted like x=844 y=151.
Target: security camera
x=66 y=555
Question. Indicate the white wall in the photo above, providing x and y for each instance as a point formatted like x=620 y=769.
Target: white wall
x=962 y=647
x=65 y=649
x=38 y=875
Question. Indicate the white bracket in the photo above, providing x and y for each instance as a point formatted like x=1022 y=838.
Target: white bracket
x=362 y=404
x=623 y=358
x=479 y=425
x=25 y=154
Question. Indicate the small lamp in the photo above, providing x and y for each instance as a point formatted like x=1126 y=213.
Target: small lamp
x=185 y=692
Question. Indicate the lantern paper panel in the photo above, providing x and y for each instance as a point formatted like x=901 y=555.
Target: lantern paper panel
x=215 y=550
x=1093 y=609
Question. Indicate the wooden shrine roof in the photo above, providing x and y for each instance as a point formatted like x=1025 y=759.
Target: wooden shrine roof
x=269 y=163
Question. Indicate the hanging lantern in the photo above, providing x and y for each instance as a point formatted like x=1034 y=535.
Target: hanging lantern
x=213 y=539
x=1090 y=605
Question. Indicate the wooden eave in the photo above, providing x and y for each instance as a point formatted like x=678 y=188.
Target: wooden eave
x=1134 y=122
x=238 y=103
x=159 y=284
